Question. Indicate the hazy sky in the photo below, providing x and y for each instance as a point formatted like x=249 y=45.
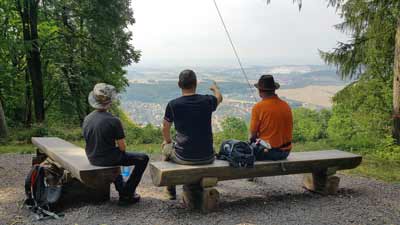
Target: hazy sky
x=189 y=32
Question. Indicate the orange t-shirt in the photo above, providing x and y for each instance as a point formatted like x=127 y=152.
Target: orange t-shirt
x=272 y=120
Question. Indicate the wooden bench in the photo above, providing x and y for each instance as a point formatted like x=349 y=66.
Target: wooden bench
x=199 y=181
x=93 y=182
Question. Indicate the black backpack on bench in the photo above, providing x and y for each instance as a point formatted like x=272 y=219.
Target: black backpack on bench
x=237 y=153
x=40 y=196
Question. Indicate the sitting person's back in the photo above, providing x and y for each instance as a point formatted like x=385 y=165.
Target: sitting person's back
x=101 y=130
x=191 y=114
x=106 y=146
x=271 y=121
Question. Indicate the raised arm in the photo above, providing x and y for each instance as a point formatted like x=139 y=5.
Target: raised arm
x=217 y=93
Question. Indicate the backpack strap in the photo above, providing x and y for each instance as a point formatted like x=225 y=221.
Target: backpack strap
x=30 y=182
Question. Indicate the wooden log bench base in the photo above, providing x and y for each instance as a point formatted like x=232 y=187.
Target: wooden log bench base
x=199 y=181
x=81 y=180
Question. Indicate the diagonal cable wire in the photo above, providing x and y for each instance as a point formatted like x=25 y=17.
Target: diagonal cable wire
x=234 y=49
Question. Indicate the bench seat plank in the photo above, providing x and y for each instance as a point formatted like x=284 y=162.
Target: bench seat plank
x=167 y=173
x=74 y=159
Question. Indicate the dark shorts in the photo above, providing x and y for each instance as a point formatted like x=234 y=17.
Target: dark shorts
x=171 y=155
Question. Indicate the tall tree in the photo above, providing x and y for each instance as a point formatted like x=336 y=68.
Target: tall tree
x=52 y=53
x=374 y=50
x=29 y=10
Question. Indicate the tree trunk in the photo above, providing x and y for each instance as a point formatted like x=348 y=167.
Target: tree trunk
x=35 y=64
x=3 y=124
x=396 y=88
x=29 y=15
x=28 y=101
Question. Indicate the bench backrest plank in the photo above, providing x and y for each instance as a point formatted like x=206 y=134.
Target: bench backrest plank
x=74 y=159
x=167 y=173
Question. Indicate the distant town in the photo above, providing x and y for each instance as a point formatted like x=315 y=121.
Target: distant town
x=150 y=90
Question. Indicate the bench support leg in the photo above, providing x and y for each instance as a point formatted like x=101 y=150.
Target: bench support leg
x=197 y=197
x=38 y=158
x=322 y=182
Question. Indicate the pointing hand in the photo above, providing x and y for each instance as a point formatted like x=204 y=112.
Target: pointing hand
x=214 y=86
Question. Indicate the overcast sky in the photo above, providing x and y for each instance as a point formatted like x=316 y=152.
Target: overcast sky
x=189 y=32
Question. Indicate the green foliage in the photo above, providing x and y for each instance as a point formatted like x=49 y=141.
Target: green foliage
x=138 y=135
x=135 y=135
x=81 y=43
x=235 y=127
x=370 y=52
x=309 y=125
x=323 y=144
x=388 y=150
x=361 y=115
x=232 y=128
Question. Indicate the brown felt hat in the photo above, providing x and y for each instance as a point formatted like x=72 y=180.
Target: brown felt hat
x=267 y=83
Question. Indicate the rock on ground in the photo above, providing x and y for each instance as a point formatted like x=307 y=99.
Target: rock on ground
x=273 y=200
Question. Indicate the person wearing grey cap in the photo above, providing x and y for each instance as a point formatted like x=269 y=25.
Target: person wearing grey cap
x=105 y=143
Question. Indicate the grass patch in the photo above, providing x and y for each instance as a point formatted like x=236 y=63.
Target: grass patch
x=17 y=148
x=311 y=146
x=145 y=148
x=29 y=148
x=372 y=165
x=381 y=169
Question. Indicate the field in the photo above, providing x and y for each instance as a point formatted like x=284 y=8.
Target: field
x=313 y=95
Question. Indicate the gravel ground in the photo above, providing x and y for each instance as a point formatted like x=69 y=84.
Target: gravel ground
x=273 y=200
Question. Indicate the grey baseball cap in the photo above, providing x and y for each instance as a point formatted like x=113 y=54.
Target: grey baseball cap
x=102 y=96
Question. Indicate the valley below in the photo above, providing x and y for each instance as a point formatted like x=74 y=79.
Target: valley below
x=150 y=90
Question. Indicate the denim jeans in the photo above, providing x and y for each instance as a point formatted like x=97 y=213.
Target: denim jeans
x=140 y=161
x=273 y=154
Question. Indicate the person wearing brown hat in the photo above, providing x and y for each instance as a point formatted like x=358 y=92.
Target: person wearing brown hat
x=271 y=122
x=105 y=143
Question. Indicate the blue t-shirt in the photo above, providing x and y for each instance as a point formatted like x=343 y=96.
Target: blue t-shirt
x=191 y=116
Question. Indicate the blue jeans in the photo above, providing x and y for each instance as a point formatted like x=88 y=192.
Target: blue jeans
x=140 y=161
x=273 y=154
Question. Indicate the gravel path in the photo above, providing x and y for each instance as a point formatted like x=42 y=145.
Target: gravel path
x=274 y=200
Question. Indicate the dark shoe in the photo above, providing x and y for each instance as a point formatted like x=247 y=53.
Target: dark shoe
x=128 y=200
x=170 y=193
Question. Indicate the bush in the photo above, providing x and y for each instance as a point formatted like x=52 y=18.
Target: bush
x=388 y=150
x=309 y=125
x=25 y=134
x=68 y=133
x=150 y=135
x=232 y=128
x=361 y=115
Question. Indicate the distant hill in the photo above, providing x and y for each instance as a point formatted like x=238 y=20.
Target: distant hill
x=150 y=89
